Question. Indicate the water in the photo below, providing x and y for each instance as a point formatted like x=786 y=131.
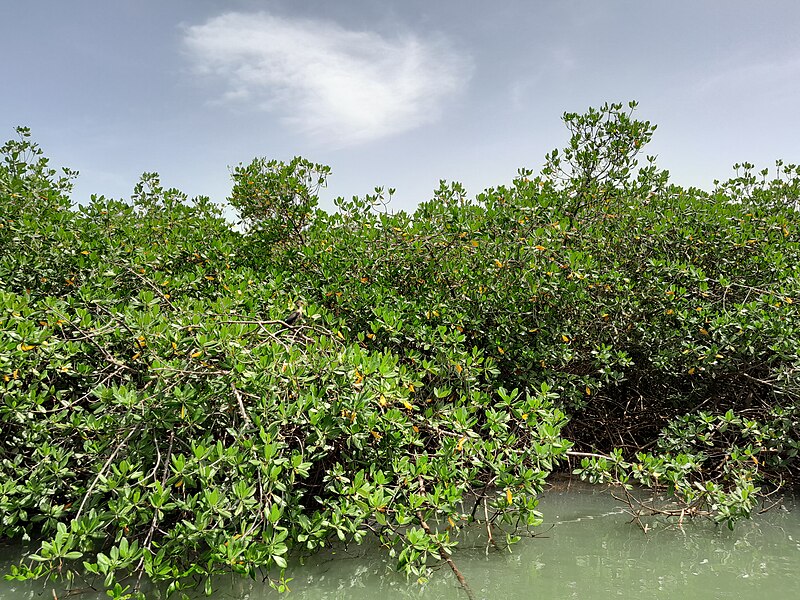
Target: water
x=586 y=549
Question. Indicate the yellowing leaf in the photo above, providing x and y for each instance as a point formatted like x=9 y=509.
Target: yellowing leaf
x=691 y=371
x=460 y=445
x=459 y=368
x=450 y=520
x=474 y=243
x=25 y=347
x=704 y=331
x=565 y=338
x=209 y=277
x=500 y=350
x=196 y=354
x=375 y=434
x=408 y=405
x=135 y=356
x=411 y=387
x=382 y=400
x=588 y=391
x=509 y=497
x=540 y=248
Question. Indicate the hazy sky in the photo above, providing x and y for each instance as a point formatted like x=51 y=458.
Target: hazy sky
x=397 y=93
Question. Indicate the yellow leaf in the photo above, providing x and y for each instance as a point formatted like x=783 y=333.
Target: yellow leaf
x=135 y=356
x=408 y=405
x=691 y=371
x=474 y=243
x=450 y=520
x=382 y=400
x=375 y=434
x=196 y=354
x=500 y=350
x=588 y=391
x=670 y=311
x=85 y=253
x=704 y=331
x=339 y=335
x=210 y=277
x=788 y=300
x=460 y=445
x=524 y=416
x=498 y=264
x=459 y=368
x=411 y=387
x=183 y=411
x=565 y=338
x=25 y=347
x=540 y=248
x=509 y=497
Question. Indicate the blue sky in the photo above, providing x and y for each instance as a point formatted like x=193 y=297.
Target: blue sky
x=393 y=93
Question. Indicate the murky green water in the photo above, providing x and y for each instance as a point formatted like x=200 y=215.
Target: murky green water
x=586 y=550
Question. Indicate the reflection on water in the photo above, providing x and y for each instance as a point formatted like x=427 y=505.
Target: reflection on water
x=586 y=549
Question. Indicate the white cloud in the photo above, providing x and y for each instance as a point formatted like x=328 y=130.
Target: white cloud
x=333 y=84
x=777 y=80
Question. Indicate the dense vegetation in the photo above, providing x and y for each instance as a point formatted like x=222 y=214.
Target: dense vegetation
x=160 y=421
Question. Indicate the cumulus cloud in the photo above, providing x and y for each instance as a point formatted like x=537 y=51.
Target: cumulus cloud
x=331 y=83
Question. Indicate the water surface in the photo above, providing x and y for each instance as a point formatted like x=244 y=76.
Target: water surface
x=586 y=549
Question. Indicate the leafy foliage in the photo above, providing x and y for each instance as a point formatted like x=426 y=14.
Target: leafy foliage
x=159 y=420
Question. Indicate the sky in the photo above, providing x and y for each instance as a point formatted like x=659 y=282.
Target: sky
x=394 y=93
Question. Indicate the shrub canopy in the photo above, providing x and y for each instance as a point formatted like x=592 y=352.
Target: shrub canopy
x=159 y=418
